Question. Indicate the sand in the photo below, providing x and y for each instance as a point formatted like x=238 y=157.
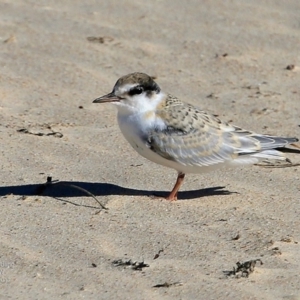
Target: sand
x=227 y=57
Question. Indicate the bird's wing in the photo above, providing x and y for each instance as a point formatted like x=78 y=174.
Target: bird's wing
x=195 y=138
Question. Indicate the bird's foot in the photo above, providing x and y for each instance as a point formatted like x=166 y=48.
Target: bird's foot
x=170 y=198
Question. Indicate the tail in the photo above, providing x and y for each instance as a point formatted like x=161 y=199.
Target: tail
x=270 y=147
x=273 y=142
x=273 y=147
x=289 y=150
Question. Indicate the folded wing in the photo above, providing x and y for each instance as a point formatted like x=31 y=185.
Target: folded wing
x=195 y=138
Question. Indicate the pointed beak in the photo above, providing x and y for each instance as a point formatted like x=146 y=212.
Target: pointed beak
x=111 y=97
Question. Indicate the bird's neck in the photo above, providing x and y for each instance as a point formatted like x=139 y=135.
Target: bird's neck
x=142 y=105
x=143 y=118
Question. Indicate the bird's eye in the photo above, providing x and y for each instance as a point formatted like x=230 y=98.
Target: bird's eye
x=136 y=91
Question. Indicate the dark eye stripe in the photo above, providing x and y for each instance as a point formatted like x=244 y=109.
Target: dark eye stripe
x=137 y=90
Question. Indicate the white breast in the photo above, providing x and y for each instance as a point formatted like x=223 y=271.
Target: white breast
x=135 y=131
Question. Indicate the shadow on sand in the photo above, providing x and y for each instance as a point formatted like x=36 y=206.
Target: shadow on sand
x=67 y=189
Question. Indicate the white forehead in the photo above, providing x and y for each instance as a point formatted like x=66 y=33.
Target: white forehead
x=122 y=89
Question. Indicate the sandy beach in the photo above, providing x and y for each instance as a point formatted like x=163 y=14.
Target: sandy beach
x=237 y=59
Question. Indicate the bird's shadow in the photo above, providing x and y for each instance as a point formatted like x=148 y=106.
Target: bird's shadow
x=67 y=189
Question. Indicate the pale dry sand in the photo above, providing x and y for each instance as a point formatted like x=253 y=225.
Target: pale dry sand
x=228 y=57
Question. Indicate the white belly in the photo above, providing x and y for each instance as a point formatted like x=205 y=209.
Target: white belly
x=133 y=135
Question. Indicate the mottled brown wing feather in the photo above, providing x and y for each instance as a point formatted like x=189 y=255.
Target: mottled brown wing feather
x=196 y=138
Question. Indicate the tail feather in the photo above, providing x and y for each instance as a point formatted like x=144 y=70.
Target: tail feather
x=271 y=147
x=274 y=142
x=288 y=150
x=274 y=147
x=270 y=154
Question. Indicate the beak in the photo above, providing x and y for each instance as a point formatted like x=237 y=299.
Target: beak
x=111 y=97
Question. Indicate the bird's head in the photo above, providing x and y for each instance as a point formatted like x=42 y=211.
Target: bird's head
x=135 y=92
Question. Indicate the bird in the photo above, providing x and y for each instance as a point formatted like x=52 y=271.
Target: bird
x=181 y=136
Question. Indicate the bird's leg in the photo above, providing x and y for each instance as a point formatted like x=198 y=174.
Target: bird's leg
x=179 y=181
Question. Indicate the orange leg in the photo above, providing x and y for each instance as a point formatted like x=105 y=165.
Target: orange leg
x=179 y=181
